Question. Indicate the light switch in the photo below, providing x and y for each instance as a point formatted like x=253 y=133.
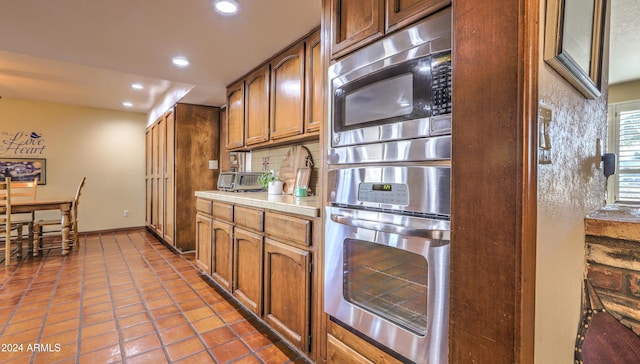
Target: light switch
x=544 y=135
x=213 y=164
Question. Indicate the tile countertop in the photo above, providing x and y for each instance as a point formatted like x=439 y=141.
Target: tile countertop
x=306 y=206
x=614 y=221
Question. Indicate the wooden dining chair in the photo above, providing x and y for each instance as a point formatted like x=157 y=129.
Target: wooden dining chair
x=25 y=191
x=7 y=226
x=52 y=236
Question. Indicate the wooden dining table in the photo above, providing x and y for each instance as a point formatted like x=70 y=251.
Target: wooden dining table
x=26 y=206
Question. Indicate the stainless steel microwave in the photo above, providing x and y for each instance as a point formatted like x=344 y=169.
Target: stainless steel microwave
x=397 y=88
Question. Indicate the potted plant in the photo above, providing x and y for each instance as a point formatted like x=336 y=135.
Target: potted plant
x=268 y=180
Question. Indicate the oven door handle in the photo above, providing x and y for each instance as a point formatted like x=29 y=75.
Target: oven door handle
x=436 y=234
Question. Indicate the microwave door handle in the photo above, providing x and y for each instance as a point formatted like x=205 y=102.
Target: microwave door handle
x=392 y=228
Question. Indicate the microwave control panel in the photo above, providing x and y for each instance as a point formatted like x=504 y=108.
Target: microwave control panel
x=387 y=193
x=441 y=83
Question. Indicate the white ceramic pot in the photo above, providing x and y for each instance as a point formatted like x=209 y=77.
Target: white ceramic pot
x=275 y=187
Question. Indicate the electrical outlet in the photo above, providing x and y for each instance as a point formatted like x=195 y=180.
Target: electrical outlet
x=126 y=213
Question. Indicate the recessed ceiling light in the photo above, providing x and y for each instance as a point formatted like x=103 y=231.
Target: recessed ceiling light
x=227 y=7
x=127 y=104
x=137 y=86
x=180 y=61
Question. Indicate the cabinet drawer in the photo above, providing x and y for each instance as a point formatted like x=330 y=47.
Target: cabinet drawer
x=203 y=206
x=249 y=218
x=288 y=228
x=222 y=211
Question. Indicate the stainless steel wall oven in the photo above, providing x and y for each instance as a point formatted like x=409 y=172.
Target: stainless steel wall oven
x=387 y=222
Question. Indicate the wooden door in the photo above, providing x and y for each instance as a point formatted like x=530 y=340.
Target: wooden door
x=313 y=84
x=287 y=93
x=247 y=269
x=162 y=147
x=256 y=127
x=221 y=248
x=355 y=23
x=168 y=178
x=155 y=180
x=204 y=226
x=402 y=12
x=148 y=176
x=287 y=291
x=196 y=142
x=235 y=116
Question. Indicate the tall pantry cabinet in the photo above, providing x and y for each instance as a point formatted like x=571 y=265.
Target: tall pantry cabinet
x=179 y=146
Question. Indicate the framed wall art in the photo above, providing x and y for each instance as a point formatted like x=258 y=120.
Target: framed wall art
x=24 y=169
x=573 y=43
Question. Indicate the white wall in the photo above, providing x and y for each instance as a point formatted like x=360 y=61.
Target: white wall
x=622 y=92
x=568 y=189
x=107 y=147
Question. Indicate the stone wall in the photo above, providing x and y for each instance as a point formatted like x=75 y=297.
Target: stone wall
x=613 y=268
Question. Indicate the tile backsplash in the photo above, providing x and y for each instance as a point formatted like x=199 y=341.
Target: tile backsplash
x=271 y=159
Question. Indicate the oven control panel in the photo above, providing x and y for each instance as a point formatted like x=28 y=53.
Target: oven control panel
x=387 y=193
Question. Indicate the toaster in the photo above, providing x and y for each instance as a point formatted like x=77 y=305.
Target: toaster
x=239 y=181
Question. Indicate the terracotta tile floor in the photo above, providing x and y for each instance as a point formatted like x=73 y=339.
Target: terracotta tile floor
x=124 y=297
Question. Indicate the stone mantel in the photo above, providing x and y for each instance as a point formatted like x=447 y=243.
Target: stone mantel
x=615 y=221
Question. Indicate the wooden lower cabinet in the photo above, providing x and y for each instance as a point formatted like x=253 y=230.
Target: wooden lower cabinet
x=344 y=347
x=247 y=269
x=222 y=245
x=264 y=259
x=339 y=352
x=287 y=285
x=203 y=238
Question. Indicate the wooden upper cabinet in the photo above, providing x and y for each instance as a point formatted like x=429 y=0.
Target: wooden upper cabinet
x=355 y=23
x=314 y=75
x=235 y=116
x=287 y=92
x=403 y=12
x=256 y=127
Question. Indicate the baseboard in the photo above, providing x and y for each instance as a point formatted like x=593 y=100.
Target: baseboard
x=106 y=231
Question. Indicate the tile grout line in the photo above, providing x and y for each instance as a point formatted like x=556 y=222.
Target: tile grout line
x=227 y=296
x=171 y=297
x=82 y=291
x=52 y=297
x=113 y=309
x=24 y=293
x=143 y=300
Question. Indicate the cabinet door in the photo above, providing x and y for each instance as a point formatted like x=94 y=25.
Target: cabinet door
x=168 y=178
x=340 y=353
x=235 y=116
x=148 y=176
x=287 y=291
x=155 y=183
x=403 y=12
x=287 y=93
x=256 y=126
x=247 y=269
x=355 y=23
x=221 y=249
x=162 y=148
x=203 y=242
x=313 y=83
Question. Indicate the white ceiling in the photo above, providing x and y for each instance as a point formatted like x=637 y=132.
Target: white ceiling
x=89 y=52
